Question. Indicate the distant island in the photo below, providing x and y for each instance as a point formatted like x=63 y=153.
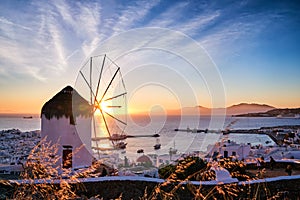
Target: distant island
x=280 y=113
x=237 y=109
x=231 y=110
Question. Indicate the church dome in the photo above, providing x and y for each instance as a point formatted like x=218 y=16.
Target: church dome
x=144 y=159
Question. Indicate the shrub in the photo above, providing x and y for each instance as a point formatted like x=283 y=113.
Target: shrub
x=236 y=168
x=186 y=168
x=42 y=166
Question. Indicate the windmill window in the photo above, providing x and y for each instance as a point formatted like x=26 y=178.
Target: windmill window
x=67 y=157
x=72 y=120
x=225 y=154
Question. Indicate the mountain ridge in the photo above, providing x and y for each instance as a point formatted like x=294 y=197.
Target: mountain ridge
x=277 y=112
x=235 y=109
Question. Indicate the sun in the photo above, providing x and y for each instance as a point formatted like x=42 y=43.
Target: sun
x=104 y=106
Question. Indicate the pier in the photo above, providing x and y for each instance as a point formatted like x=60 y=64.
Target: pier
x=270 y=131
x=123 y=137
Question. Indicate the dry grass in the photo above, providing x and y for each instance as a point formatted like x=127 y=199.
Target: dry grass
x=42 y=165
x=172 y=187
x=275 y=172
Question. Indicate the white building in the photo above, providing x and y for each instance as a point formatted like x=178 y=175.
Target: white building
x=63 y=122
x=229 y=148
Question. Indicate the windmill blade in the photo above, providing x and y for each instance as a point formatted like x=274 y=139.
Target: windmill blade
x=111 y=98
x=114 y=106
x=110 y=84
x=87 y=84
x=123 y=84
x=99 y=79
x=115 y=118
x=91 y=92
x=106 y=126
x=91 y=86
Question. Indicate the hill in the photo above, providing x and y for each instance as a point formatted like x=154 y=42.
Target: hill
x=238 y=109
x=285 y=113
x=248 y=108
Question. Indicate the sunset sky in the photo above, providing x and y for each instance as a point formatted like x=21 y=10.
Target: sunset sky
x=254 y=45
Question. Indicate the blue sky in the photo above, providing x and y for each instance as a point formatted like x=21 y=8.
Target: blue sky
x=254 y=44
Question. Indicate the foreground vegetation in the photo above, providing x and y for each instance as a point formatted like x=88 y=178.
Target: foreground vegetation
x=56 y=184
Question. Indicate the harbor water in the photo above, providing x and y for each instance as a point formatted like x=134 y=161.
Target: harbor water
x=184 y=142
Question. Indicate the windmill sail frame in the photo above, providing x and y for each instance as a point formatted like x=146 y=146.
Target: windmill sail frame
x=101 y=83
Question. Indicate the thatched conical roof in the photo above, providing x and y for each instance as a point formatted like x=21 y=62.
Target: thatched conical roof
x=61 y=105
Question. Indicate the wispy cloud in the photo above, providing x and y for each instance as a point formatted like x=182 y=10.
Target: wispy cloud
x=197 y=24
x=169 y=17
x=61 y=29
x=132 y=14
x=25 y=52
x=15 y=61
x=43 y=46
x=8 y=22
x=225 y=36
x=56 y=32
x=84 y=20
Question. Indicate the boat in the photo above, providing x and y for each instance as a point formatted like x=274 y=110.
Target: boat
x=27 y=117
x=156 y=135
x=226 y=132
x=120 y=145
x=118 y=137
x=140 y=151
x=173 y=150
x=157 y=145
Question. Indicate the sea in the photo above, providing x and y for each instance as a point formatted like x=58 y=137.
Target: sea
x=185 y=142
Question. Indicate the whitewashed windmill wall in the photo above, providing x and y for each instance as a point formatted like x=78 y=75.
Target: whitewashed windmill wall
x=58 y=125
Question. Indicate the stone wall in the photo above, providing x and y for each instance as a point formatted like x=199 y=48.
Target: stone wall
x=112 y=189
x=135 y=189
x=278 y=165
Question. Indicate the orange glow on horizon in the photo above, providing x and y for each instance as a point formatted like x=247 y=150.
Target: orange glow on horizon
x=136 y=105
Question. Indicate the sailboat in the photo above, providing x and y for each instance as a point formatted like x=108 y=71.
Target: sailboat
x=157 y=145
x=173 y=150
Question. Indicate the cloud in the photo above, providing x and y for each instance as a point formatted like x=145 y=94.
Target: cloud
x=241 y=28
x=27 y=52
x=57 y=32
x=132 y=14
x=43 y=46
x=84 y=19
x=219 y=27
x=14 y=61
x=198 y=23
x=8 y=22
x=169 y=17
